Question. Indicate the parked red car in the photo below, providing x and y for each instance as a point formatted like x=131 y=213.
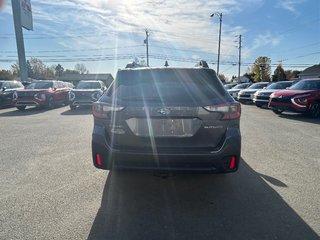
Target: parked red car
x=302 y=97
x=46 y=93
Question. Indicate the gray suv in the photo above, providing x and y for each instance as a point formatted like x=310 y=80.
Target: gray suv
x=168 y=119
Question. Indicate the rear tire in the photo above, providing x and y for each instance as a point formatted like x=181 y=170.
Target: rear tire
x=315 y=110
x=21 y=108
x=277 y=111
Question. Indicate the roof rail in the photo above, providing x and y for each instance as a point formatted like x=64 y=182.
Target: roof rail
x=203 y=64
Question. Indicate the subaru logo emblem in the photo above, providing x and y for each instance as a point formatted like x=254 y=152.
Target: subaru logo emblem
x=164 y=111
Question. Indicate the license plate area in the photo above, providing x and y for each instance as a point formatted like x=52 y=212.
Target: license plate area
x=164 y=127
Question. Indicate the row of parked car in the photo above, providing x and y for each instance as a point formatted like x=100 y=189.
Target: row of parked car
x=294 y=96
x=50 y=93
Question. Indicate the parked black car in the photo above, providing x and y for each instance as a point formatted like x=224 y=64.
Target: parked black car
x=236 y=89
x=261 y=97
x=170 y=119
x=246 y=95
x=86 y=93
x=7 y=88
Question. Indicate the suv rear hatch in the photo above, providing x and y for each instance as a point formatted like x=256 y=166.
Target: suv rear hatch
x=167 y=110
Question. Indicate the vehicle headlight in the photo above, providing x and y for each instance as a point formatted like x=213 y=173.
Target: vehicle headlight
x=40 y=96
x=300 y=100
x=95 y=96
x=72 y=96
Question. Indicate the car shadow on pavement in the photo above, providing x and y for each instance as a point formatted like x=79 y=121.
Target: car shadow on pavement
x=78 y=111
x=28 y=111
x=300 y=117
x=235 y=206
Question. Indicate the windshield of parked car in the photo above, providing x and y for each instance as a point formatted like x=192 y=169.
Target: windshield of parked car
x=279 y=85
x=257 y=86
x=185 y=86
x=89 y=85
x=40 y=85
x=306 y=85
x=228 y=86
x=241 y=86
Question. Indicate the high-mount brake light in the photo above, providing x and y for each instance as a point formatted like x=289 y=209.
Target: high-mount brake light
x=229 y=111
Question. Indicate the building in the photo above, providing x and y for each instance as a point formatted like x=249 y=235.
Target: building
x=74 y=78
x=310 y=72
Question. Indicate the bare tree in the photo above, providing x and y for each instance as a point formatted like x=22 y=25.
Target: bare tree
x=81 y=68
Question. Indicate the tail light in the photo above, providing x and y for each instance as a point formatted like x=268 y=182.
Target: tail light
x=229 y=111
x=104 y=110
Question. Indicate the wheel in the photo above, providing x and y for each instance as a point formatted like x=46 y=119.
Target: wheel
x=73 y=107
x=277 y=111
x=315 y=110
x=51 y=103
x=21 y=108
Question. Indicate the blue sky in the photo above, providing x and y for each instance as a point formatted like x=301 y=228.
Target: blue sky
x=106 y=34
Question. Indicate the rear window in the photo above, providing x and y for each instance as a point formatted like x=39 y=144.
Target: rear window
x=170 y=86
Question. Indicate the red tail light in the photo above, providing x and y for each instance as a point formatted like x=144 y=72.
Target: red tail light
x=98 y=158
x=104 y=110
x=230 y=111
x=232 y=162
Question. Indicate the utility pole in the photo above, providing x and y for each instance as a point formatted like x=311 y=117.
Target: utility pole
x=19 y=39
x=240 y=46
x=219 y=14
x=146 y=41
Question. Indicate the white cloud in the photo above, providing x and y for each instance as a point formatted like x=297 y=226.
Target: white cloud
x=180 y=23
x=289 y=5
x=262 y=40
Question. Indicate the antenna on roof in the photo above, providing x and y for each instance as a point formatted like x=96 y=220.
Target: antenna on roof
x=166 y=64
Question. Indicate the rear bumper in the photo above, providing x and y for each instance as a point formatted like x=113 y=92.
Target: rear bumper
x=214 y=161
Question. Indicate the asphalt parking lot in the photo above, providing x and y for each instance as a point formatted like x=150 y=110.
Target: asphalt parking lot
x=50 y=189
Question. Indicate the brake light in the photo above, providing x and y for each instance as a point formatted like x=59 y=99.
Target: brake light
x=104 y=110
x=230 y=111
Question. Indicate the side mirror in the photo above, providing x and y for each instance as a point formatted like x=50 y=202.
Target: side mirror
x=264 y=87
x=287 y=88
x=3 y=89
x=54 y=89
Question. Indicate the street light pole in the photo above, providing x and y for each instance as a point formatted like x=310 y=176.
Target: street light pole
x=219 y=14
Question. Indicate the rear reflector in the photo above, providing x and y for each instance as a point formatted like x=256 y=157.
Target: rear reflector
x=98 y=159
x=232 y=162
